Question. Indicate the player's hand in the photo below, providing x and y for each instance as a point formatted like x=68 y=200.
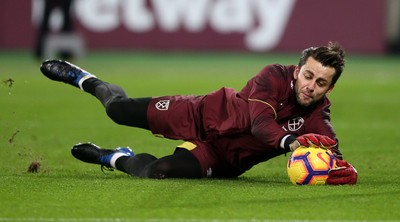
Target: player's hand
x=316 y=140
x=343 y=173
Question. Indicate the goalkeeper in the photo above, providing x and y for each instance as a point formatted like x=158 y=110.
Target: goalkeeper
x=225 y=132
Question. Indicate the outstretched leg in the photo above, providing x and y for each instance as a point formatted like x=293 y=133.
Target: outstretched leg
x=182 y=164
x=120 y=108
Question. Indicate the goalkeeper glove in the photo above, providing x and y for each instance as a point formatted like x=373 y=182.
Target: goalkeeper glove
x=343 y=173
x=313 y=140
x=316 y=140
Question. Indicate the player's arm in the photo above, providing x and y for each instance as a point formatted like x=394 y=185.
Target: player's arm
x=262 y=91
x=265 y=89
x=265 y=127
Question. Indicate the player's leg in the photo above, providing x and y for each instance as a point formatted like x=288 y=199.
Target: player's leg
x=175 y=117
x=182 y=164
x=120 y=108
x=134 y=165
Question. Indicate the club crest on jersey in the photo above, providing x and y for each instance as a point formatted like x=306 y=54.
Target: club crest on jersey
x=295 y=123
x=162 y=105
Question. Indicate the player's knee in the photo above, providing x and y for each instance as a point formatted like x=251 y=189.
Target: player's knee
x=115 y=110
x=128 y=111
x=157 y=170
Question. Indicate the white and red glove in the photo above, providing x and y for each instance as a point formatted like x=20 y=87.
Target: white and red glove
x=313 y=140
x=343 y=173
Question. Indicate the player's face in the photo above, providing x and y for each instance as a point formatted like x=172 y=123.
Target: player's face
x=313 y=82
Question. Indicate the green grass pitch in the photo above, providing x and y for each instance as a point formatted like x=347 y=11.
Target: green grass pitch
x=40 y=120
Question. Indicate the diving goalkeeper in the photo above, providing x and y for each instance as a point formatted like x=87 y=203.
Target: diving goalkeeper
x=225 y=132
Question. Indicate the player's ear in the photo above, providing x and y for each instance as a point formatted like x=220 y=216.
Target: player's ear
x=296 y=72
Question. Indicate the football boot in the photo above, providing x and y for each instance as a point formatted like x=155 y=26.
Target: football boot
x=91 y=153
x=64 y=71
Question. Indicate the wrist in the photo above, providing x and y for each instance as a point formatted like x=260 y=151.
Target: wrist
x=286 y=142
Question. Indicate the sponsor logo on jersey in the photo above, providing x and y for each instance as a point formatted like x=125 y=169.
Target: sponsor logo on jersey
x=295 y=123
x=162 y=105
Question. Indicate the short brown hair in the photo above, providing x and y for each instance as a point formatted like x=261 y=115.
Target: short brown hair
x=332 y=55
